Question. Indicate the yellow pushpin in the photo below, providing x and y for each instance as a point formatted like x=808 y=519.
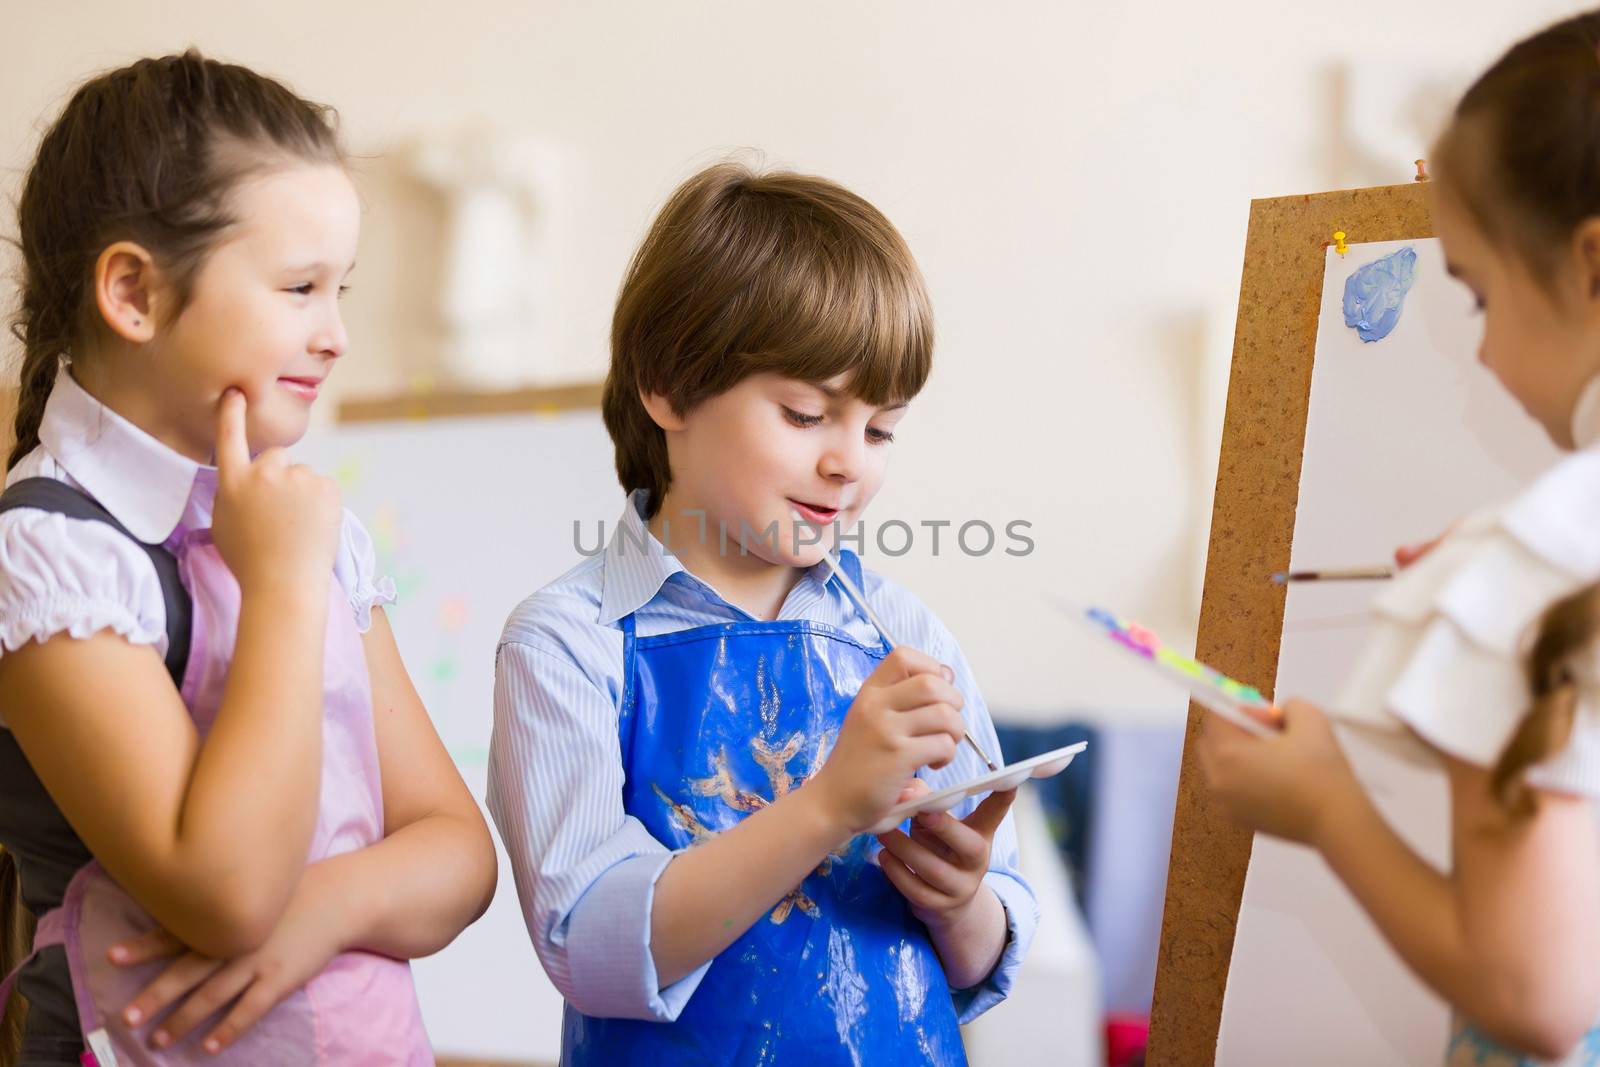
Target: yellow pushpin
x=1422 y=170
x=1338 y=242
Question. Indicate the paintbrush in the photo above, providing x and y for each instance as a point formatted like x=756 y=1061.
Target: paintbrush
x=859 y=599
x=1335 y=574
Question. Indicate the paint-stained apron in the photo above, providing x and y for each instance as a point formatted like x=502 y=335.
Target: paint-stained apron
x=716 y=722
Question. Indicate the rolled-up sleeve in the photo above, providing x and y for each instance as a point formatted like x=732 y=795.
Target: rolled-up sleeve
x=585 y=870
x=1022 y=919
x=1005 y=875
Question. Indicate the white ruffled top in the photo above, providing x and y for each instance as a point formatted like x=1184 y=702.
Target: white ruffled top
x=1452 y=631
x=77 y=576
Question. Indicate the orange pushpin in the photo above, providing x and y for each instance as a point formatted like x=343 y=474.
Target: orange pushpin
x=1422 y=170
x=1339 y=245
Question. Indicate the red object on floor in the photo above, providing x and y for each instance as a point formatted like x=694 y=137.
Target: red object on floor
x=1126 y=1037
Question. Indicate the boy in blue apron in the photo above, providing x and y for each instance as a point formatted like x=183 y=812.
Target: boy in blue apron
x=694 y=727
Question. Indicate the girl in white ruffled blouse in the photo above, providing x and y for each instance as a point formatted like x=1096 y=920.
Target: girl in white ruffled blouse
x=1485 y=648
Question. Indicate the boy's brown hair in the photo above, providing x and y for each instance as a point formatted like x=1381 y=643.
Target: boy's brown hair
x=744 y=273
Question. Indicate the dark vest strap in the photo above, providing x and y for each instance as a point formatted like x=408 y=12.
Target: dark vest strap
x=48 y=494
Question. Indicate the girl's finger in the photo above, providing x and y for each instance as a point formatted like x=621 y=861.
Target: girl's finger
x=1271 y=715
x=1406 y=555
x=1302 y=719
x=233 y=451
x=217 y=992
x=275 y=458
x=154 y=945
x=1224 y=731
x=259 y=999
x=186 y=972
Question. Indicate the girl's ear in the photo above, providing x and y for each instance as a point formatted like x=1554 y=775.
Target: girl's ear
x=1586 y=255
x=125 y=291
x=659 y=408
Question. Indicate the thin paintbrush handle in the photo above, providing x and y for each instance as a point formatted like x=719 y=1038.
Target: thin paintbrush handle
x=987 y=762
x=859 y=599
x=1336 y=574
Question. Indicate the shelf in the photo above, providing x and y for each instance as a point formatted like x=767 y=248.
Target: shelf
x=443 y=404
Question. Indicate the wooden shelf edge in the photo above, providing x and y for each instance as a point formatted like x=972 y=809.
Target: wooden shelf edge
x=442 y=404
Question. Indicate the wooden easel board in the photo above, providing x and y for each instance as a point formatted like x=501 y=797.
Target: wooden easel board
x=1303 y=460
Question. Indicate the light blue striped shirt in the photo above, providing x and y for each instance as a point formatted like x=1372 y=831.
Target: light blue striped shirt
x=586 y=870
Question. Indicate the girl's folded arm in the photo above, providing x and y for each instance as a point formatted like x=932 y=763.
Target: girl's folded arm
x=434 y=872
x=210 y=840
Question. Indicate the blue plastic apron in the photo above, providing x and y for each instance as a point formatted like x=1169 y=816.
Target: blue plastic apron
x=717 y=721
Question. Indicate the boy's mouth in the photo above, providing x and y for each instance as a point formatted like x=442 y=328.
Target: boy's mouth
x=815 y=513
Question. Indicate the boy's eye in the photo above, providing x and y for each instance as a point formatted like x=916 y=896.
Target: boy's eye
x=800 y=418
x=879 y=437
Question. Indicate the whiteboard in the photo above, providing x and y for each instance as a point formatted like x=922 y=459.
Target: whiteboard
x=469 y=516
x=1403 y=435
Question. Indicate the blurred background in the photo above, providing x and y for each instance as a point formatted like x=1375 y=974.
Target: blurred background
x=1075 y=181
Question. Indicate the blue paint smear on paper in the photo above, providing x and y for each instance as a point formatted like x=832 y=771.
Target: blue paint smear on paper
x=1375 y=294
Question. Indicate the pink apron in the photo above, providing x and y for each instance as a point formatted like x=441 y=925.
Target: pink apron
x=362 y=1008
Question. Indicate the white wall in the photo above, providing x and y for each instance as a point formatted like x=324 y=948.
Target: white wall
x=1074 y=178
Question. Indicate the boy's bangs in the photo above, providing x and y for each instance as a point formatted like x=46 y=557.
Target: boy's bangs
x=852 y=312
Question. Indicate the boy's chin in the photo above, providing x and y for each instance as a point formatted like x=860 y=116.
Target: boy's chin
x=783 y=557
x=803 y=557
x=808 y=556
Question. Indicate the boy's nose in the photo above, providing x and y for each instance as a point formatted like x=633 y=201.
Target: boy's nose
x=841 y=461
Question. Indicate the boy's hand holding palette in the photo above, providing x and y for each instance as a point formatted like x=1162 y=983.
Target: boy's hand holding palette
x=1045 y=765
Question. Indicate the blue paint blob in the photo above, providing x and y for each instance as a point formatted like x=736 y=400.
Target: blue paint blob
x=1375 y=294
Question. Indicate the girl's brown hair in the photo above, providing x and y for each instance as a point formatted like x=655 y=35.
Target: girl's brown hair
x=148 y=153
x=16 y=935
x=744 y=273
x=1522 y=156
